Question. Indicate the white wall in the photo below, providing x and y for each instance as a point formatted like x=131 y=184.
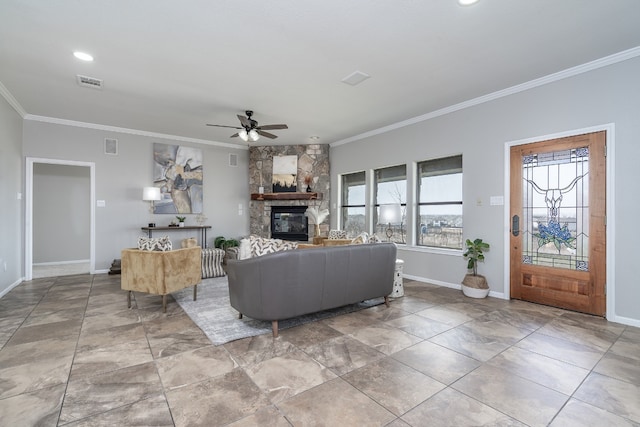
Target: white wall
x=11 y=216
x=61 y=213
x=607 y=95
x=120 y=179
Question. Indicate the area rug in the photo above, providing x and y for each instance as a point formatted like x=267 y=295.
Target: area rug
x=213 y=313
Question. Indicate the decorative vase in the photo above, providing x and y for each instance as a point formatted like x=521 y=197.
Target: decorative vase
x=317 y=230
x=308 y=189
x=181 y=224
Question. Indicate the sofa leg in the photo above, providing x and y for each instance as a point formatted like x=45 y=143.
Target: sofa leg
x=164 y=303
x=239 y=315
x=274 y=328
x=386 y=301
x=195 y=292
x=128 y=299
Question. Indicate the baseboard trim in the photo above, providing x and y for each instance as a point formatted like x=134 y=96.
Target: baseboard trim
x=11 y=286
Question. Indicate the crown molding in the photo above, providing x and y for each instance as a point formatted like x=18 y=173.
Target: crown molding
x=12 y=101
x=564 y=74
x=106 y=128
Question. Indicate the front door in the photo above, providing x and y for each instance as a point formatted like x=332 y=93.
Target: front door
x=558 y=229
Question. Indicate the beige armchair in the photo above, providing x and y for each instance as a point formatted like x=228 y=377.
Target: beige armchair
x=160 y=273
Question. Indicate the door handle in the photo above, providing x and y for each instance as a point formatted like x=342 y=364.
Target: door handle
x=515 y=225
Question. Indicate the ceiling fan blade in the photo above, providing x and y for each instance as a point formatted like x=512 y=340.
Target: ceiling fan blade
x=244 y=120
x=271 y=127
x=224 y=126
x=266 y=134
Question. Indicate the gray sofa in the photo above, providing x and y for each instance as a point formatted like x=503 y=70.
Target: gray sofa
x=287 y=284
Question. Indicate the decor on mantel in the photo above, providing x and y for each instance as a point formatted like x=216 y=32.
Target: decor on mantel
x=307 y=181
x=285 y=172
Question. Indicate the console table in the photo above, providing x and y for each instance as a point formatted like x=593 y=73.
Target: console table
x=201 y=228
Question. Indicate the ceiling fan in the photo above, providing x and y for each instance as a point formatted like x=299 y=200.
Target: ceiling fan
x=250 y=131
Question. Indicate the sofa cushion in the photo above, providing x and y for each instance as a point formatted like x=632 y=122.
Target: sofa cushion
x=154 y=244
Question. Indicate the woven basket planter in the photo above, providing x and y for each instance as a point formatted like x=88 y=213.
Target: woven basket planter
x=475 y=286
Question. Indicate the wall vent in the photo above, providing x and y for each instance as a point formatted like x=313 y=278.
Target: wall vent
x=111 y=146
x=91 y=82
x=233 y=160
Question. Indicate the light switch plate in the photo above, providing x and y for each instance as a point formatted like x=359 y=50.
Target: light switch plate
x=101 y=203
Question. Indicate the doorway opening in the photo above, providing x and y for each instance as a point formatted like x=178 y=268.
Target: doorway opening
x=77 y=199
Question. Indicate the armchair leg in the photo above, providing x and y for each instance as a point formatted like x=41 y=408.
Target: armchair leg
x=386 y=301
x=195 y=292
x=128 y=299
x=164 y=303
x=274 y=328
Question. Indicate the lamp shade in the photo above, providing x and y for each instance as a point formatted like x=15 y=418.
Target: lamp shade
x=243 y=135
x=150 y=193
x=389 y=214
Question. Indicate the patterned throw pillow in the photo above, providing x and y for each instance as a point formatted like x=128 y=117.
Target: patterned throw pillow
x=261 y=246
x=154 y=244
x=337 y=234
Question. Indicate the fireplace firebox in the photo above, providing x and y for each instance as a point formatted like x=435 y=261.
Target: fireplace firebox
x=289 y=223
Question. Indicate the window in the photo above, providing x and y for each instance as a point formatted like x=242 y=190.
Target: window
x=353 y=203
x=439 y=185
x=390 y=186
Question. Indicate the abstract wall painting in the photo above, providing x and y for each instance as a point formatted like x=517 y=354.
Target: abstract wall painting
x=177 y=171
x=285 y=171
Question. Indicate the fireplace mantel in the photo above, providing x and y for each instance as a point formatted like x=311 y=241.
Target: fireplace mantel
x=286 y=196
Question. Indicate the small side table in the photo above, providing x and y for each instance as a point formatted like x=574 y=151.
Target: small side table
x=398 y=288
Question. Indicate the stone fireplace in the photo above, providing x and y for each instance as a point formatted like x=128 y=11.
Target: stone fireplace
x=313 y=161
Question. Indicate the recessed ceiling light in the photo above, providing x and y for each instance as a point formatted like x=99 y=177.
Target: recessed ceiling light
x=314 y=137
x=466 y=2
x=83 y=56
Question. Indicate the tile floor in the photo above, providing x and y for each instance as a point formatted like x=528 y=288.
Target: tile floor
x=72 y=354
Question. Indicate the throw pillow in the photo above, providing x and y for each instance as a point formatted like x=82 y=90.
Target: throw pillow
x=374 y=238
x=244 y=250
x=261 y=246
x=337 y=234
x=189 y=243
x=361 y=238
x=154 y=244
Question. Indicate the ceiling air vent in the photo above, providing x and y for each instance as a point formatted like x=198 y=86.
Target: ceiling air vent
x=91 y=82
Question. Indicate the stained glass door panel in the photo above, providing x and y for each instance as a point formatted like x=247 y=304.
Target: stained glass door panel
x=558 y=222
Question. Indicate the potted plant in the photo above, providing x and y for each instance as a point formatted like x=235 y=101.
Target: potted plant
x=181 y=220
x=475 y=285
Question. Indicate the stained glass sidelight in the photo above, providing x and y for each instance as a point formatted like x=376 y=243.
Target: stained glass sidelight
x=555 y=219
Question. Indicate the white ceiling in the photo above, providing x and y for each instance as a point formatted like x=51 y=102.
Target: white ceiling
x=171 y=66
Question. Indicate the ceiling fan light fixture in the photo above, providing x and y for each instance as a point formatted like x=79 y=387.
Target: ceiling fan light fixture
x=253 y=135
x=243 y=135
